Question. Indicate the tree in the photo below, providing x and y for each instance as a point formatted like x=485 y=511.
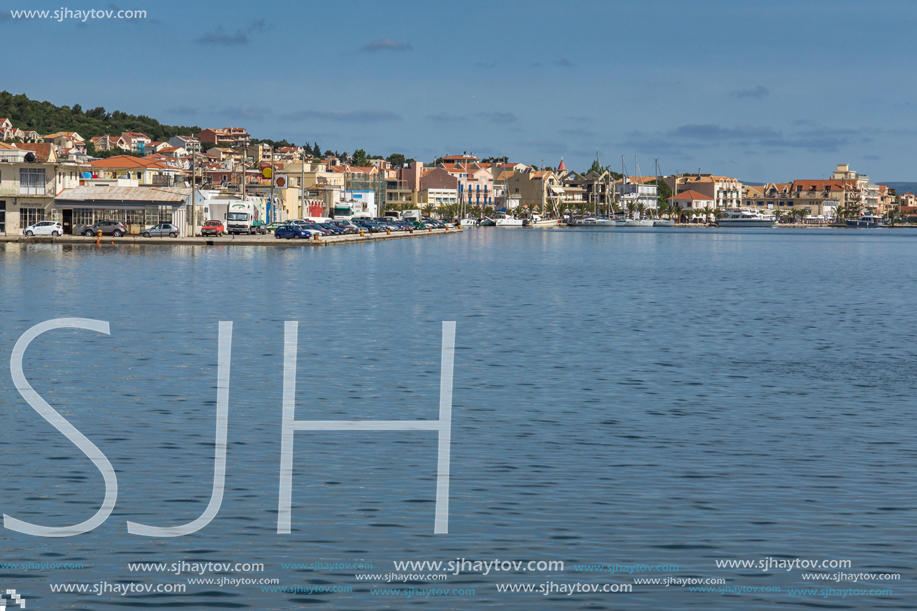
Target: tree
x=360 y=158
x=396 y=159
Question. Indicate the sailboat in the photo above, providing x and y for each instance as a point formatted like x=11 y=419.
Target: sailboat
x=661 y=222
x=637 y=222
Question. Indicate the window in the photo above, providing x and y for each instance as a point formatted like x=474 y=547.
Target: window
x=2 y=217
x=30 y=216
x=82 y=217
x=31 y=181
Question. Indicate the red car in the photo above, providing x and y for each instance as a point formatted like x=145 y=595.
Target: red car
x=213 y=228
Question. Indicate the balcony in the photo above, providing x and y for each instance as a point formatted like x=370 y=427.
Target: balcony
x=32 y=189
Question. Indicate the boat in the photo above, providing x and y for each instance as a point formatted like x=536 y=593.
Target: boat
x=510 y=221
x=468 y=222
x=487 y=222
x=538 y=222
x=663 y=223
x=639 y=223
x=746 y=218
x=867 y=221
x=592 y=221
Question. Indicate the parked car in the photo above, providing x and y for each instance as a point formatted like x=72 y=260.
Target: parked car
x=161 y=230
x=334 y=229
x=213 y=228
x=347 y=226
x=317 y=228
x=112 y=228
x=273 y=226
x=368 y=225
x=52 y=228
x=293 y=231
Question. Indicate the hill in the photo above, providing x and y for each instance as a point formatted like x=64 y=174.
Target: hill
x=46 y=118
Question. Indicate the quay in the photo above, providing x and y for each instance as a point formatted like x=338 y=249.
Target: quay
x=244 y=240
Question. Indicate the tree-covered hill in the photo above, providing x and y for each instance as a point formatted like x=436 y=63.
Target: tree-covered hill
x=46 y=118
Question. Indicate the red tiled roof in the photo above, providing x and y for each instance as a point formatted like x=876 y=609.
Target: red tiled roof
x=690 y=195
x=42 y=150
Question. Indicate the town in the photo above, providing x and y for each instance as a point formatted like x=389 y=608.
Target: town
x=57 y=178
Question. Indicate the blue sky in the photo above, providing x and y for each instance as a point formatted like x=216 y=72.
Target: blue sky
x=764 y=91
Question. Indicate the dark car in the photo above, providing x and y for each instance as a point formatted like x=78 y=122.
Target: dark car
x=296 y=232
x=213 y=228
x=370 y=226
x=334 y=229
x=113 y=228
x=347 y=226
x=161 y=230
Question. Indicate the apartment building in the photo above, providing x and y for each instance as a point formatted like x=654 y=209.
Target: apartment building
x=233 y=137
x=30 y=177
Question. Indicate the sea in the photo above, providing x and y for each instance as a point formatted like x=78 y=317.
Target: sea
x=657 y=419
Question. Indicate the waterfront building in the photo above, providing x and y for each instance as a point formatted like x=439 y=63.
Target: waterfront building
x=30 y=175
x=136 y=207
x=691 y=201
x=725 y=192
x=157 y=172
x=637 y=190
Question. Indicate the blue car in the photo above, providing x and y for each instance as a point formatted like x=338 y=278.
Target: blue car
x=295 y=232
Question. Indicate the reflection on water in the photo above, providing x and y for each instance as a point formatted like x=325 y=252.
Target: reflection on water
x=658 y=397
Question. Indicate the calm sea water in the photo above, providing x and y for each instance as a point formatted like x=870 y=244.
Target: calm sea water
x=668 y=397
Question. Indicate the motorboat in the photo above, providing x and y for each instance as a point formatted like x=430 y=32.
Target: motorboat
x=746 y=218
x=867 y=221
x=663 y=223
x=592 y=221
x=469 y=222
x=511 y=221
x=487 y=222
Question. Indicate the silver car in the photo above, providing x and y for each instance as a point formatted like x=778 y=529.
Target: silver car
x=161 y=230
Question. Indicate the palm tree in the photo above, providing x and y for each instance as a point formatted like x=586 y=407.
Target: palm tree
x=641 y=208
x=677 y=211
x=631 y=208
x=663 y=209
x=428 y=209
x=708 y=212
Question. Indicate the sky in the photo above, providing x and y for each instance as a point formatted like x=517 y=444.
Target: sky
x=761 y=91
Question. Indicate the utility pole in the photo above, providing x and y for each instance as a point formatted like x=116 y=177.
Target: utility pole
x=193 y=187
x=271 y=207
x=302 y=185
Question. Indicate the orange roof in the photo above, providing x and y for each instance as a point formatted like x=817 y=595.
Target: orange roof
x=690 y=195
x=42 y=150
x=126 y=161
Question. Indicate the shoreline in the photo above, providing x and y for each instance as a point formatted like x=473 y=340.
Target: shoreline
x=248 y=240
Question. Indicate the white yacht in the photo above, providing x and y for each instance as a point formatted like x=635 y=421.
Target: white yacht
x=663 y=223
x=867 y=221
x=638 y=223
x=746 y=218
x=511 y=221
x=591 y=221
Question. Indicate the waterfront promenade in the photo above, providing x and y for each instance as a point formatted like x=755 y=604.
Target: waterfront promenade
x=244 y=240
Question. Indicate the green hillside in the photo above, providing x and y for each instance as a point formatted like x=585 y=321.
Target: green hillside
x=46 y=118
